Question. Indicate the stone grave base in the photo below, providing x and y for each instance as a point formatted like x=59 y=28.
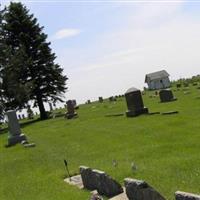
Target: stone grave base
x=75 y=180
x=137 y=112
x=12 y=140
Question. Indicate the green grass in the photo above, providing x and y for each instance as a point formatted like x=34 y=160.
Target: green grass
x=164 y=148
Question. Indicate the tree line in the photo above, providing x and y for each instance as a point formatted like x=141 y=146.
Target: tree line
x=28 y=71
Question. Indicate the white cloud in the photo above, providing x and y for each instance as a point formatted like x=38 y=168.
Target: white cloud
x=65 y=33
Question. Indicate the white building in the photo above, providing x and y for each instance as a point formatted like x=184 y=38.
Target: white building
x=157 y=80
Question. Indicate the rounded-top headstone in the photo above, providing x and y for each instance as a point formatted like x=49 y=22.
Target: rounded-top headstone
x=131 y=90
x=134 y=102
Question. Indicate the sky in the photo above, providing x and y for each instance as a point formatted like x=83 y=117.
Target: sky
x=106 y=47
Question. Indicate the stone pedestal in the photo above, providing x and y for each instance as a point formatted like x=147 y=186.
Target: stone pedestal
x=15 y=135
x=12 y=140
x=140 y=190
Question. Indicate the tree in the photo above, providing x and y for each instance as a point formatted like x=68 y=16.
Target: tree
x=31 y=59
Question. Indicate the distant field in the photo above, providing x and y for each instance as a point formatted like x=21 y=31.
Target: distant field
x=166 y=149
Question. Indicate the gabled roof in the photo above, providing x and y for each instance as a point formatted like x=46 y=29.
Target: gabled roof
x=156 y=75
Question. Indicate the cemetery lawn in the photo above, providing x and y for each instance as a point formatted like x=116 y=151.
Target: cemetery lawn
x=165 y=149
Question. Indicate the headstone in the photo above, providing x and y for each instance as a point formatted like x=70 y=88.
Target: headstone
x=134 y=103
x=30 y=112
x=15 y=135
x=186 y=196
x=50 y=106
x=112 y=98
x=140 y=190
x=88 y=102
x=166 y=95
x=100 y=99
x=70 y=110
x=88 y=178
x=99 y=180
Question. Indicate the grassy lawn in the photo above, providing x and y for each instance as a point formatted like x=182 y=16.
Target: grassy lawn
x=165 y=149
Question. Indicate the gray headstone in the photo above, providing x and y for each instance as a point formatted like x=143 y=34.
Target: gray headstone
x=99 y=180
x=88 y=178
x=50 y=106
x=166 y=95
x=186 y=196
x=15 y=135
x=101 y=99
x=140 y=190
x=88 y=102
x=134 y=102
x=70 y=110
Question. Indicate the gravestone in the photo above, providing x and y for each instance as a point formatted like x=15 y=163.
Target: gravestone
x=15 y=135
x=70 y=110
x=186 y=196
x=30 y=112
x=140 y=190
x=100 y=99
x=50 y=106
x=100 y=181
x=134 y=103
x=112 y=98
x=19 y=117
x=166 y=95
x=88 y=102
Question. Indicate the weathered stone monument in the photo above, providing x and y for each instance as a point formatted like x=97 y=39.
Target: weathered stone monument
x=166 y=95
x=140 y=190
x=70 y=110
x=100 y=181
x=186 y=196
x=88 y=102
x=100 y=99
x=50 y=106
x=134 y=103
x=15 y=135
x=112 y=99
x=30 y=112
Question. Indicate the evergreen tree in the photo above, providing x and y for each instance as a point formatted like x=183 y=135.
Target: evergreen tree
x=31 y=59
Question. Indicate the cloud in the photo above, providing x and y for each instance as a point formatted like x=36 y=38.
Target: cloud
x=65 y=33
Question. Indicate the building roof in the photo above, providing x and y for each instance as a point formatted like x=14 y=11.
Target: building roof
x=156 y=75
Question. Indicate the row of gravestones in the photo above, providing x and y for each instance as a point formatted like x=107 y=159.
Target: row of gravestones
x=135 y=189
x=135 y=102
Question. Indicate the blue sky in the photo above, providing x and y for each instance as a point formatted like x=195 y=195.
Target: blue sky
x=105 y=47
